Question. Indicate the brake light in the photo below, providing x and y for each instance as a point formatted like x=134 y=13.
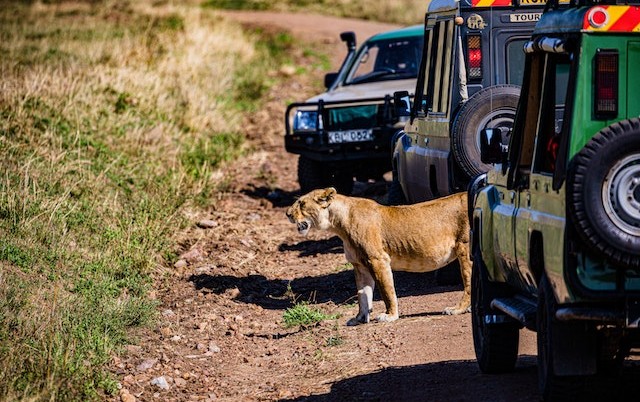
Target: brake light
x=474 y=55
x=598 y=17
x=606 y=80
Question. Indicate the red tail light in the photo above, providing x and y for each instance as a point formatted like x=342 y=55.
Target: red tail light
x=606 y=72
x=474 y=55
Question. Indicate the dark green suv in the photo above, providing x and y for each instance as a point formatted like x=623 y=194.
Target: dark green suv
x=469 y=79
x=556 y=222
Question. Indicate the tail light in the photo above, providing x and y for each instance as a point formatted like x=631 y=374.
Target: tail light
x=474 y=49
x=606 y=78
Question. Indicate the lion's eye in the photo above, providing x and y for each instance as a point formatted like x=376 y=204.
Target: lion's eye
x=302 y=204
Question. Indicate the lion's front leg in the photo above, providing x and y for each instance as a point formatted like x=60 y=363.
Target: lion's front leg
x=464 y=305
x=365 y=285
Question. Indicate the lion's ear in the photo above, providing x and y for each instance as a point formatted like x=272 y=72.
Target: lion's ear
x=326 y=196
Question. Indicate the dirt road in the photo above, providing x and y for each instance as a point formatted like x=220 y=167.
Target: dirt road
x=221 y=334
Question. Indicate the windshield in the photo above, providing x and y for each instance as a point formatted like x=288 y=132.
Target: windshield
x=386 y=60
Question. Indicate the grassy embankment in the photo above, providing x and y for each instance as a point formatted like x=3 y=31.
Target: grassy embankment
x=113 y=117
x=405 y=12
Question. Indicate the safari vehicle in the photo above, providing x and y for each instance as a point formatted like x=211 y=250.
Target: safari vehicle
x=556 y=222
x=346 y=131
x=469 y=79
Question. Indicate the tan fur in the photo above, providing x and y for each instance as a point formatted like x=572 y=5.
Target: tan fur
x=418 y=238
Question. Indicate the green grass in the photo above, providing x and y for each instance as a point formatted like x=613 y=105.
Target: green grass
x=334 y=340
x=301 y=314
x=113 y=119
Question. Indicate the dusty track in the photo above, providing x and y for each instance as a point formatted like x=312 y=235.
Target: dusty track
x=221 y=336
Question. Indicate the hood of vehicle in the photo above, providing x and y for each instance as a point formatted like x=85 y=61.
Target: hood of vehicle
x=369 y=90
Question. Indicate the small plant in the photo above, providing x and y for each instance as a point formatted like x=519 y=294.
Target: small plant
x=334 y=340
x=303 y=315
x=289 y=293
x=344 y=267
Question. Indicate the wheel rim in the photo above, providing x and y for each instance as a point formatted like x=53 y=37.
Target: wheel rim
x=621 y=195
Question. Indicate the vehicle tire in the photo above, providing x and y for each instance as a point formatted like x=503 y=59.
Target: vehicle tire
x=491 y=107
x=311 y=174
x=341 y=178
x=495 y=344
x=603 y=193
x=553 y=387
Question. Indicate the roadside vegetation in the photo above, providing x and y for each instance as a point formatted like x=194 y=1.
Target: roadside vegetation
x=302 y=315
x=405 y=12
x=114 y=117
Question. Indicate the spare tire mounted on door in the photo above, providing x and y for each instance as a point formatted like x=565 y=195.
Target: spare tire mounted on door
x=603 y=192
x=491 y=107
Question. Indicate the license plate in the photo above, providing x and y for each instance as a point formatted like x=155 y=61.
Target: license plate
x=336 y=137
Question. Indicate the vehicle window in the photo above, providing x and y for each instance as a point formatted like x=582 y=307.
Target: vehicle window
x=515 y=61
x=365 y=63
x=437 y=83
x=386 y=60
x=552 y=103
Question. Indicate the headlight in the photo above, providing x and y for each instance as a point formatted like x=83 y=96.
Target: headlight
x=305 y=120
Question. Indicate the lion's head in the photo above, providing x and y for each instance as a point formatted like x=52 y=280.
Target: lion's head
x=311 y=210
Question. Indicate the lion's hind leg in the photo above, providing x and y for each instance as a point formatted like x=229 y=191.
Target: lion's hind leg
x=381 y=268
x=365 y=284
x=464 y=305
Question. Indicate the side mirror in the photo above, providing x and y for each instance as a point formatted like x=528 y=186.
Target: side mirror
x=329 y=79
x=402 y=103
x=350 y=39
x=492 y=148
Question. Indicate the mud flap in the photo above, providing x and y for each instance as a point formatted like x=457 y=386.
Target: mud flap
x=575 y=349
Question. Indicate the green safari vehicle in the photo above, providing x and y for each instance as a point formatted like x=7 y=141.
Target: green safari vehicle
x=556 y=221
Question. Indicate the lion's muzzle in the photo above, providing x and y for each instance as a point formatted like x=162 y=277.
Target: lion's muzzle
x=303 y=227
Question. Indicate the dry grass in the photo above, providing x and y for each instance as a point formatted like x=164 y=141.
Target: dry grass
x=114 y=117
x=406 y=12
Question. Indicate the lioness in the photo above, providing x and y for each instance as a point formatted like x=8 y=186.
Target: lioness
x=417 y=238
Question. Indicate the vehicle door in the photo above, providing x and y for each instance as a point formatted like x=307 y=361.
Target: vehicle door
x=429 y=131
x=539 y=217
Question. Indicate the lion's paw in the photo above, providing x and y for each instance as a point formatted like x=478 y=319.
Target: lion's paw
x=386 y=317
x=456 y=310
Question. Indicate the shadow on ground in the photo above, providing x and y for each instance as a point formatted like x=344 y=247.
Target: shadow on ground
x=338 y=287
x=442 y=381
x=307 y=248
x=462 y=380
x=277 y=197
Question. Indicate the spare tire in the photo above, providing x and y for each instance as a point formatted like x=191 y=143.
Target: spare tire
x=491 y=107
x=603 y=193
